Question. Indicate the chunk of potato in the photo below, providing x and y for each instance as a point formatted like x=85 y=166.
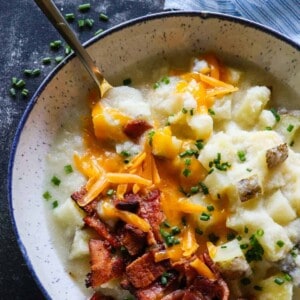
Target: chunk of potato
x=247 y=111
x=258 y=219
x=279 y=209
x=271 y=290
x=80 y=247
x=69 y=216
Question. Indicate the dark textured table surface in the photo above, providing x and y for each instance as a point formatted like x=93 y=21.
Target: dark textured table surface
x=25 y=36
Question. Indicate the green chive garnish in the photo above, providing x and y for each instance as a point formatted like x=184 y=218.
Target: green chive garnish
x=55 y=180
x=280 y=243
x=12 y=92
x=242 y=155
x=290 y=128
x=81 y=23
x=24 y=92
x=46 y=60
x=54 y=204
x=103 y=17
x=47 y=195
x=84 y=7
x=36 y=72
x=58 y=59
x=204 y=217
x=279 y=281
x=211 y=112
x=20 y=83
x=70 y=17
x=27 y=72
x=89 y=22
x=68 y=169
x=275 y=114
x=55 y=45
x=98 y=31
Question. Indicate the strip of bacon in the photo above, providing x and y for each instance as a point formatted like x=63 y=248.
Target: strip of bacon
x=104 y=266
x=95 y=223
x=144 y=270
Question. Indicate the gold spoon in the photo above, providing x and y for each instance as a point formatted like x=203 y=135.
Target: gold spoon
x=55 y=17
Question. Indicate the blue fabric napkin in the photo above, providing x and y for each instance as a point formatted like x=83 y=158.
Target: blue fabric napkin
x=281 y=15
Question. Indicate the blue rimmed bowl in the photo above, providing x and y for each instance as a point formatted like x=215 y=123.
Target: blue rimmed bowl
x=157 y=37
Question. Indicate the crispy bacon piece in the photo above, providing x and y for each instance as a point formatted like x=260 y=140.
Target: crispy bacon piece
x=78 y=195
x=144 y=270
x=133 y=239
x=131 y=202
x=157 y=290
x=104 y=266
x=185 y=295
x=103 y=231
x=150 y=210
x=211 y=288
x=135 y=128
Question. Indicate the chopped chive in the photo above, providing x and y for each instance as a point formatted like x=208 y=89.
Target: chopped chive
x=27 y=72
x=290 y=128
x=230 y=236
x=24 y=92
x=268 y=128
x=199 y=144
x=210 y=208
x=280 y=243
x=98 y=31
x=189 y=152
x=70 y=17
x=192 y=112
x=20 y=83
x=58 y=59
x=279 y=281
x=210 y=171
x=125 y=153
x=242 y=155
x=288 y=277
x=257 y=288
x=150 y=136
x=260 y=232
x=166 y=224
x=68 y=50
x=54 y=204
x=47 y=195
x=81 y=23
x=204 y=188
x=186 y=172
x=156 y=85
x=175 y=230
x=103 y=17
x=239 y=238
x=275 y=114
x=12 y=92
x=165 y=80
x=246 y=229
x=84 y=7
x=213 y=238
x=292 y=143
x=198 y=231
x=110 y=192
x=223 y=246
x=194 y=189
x=14 y=80
x=36 y=72
x=244 y=246
x=55 y=180
x=89 y=22
x=187 y=161
x=184 y=110
x=249 y=170
x=68 y=169
x=55 y=45
x=204 y=217
x=127 y=81
x=211 y=112
x=46 y=60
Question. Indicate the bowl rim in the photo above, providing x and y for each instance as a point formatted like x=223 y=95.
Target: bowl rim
x=164 y=14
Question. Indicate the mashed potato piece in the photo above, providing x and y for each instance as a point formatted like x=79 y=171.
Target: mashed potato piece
x=207 y=146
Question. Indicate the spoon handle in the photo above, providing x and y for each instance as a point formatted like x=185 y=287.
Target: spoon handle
x=55 y=17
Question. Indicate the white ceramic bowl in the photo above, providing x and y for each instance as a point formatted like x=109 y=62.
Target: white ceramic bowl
x=152 y=36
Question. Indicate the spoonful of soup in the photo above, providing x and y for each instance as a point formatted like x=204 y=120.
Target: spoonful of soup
x=55 y=17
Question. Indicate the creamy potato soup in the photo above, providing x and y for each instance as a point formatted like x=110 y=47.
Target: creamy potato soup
x=186 y=186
